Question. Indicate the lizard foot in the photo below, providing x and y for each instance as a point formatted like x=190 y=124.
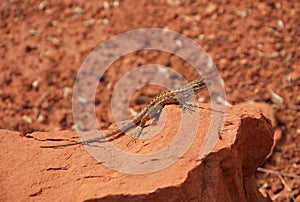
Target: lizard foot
x=187 y=106
x=136 y=135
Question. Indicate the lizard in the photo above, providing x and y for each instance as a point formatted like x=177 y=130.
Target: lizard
x=177 y=95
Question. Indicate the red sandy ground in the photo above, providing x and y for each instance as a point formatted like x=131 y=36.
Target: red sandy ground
x=255 y=45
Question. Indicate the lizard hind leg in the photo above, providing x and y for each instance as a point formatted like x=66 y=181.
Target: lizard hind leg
x=138 y=131
x=155 y=112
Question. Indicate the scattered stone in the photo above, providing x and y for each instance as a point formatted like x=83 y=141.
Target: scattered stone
x=211 y=8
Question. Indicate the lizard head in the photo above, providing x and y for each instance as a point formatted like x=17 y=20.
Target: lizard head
x=199 y=83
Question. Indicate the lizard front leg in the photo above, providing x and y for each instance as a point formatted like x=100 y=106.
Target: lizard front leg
x=187 y=106
x=182 y=98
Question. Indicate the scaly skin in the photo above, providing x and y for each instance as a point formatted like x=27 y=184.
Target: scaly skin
x=178 y=95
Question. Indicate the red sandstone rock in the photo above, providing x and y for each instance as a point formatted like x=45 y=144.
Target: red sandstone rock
x=268 y=111
x=28 y=172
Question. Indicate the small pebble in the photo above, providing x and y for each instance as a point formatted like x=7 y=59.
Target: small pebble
x=40 y=118
x=105 y=21
x=35 y=84
x=27 y=119
x=106 y=5
x=280 y=24
x=178 y=43
x=32 y=32
x=116 y=4
x=42 y=5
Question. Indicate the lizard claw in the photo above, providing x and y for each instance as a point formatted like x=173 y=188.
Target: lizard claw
x=136 y=135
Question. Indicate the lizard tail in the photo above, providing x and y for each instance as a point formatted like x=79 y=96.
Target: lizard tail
x=96 y=139
x=62 y=145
